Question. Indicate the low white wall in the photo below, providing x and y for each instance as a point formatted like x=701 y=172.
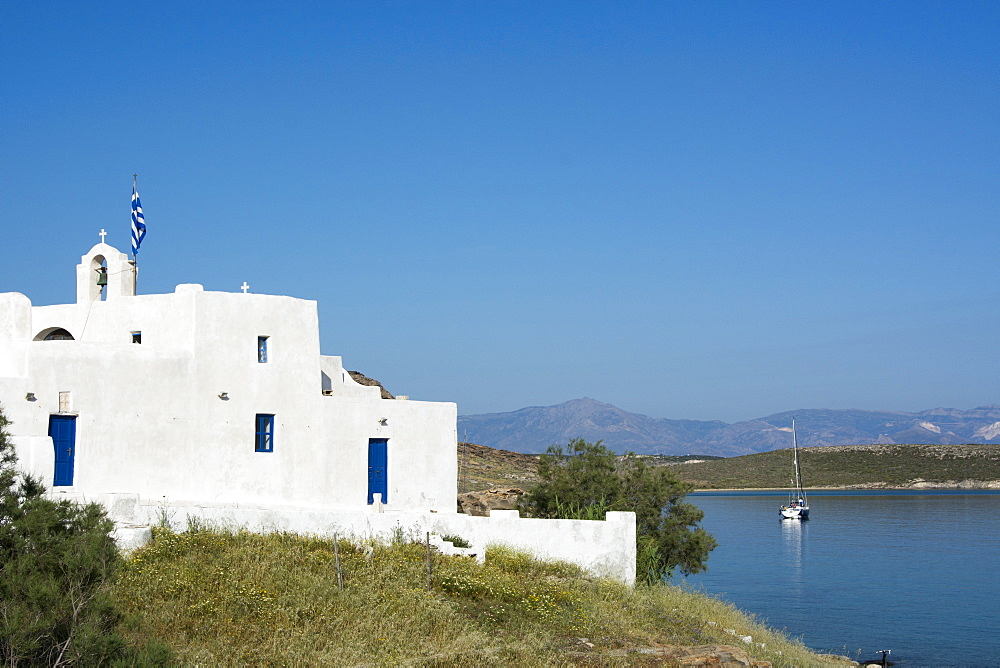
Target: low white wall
x=601 y=548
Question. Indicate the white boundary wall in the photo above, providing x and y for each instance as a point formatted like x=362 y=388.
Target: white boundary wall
x=601 y=548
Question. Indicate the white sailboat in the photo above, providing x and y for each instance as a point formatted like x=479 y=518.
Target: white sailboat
x=797 y=507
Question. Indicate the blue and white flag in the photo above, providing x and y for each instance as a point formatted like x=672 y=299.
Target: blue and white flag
x=138 y=222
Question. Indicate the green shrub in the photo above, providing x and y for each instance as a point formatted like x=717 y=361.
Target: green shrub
x=457 y=541
x=585 y=480
x=56 y=559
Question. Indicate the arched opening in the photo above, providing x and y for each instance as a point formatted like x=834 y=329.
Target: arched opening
x=104 y=274
x=100 y=266
x=54 y=334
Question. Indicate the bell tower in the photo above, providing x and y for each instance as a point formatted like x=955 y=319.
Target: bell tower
x=104 y=273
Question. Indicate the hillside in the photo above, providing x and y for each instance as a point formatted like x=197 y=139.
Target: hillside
x=857 y=466
x=532 y=430
x=219 y=598
x=480 y=467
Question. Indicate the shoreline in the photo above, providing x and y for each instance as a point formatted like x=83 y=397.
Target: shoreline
x=965 y=485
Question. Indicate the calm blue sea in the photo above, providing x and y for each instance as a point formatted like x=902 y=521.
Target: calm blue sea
x=915 y=573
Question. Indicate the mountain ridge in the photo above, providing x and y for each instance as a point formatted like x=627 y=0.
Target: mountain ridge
x=534 y=428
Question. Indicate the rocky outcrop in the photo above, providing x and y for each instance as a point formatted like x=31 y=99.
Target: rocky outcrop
x=362 y=379
x=721 y=656
x=920 y=483
x=481 y=503
x=709 y=655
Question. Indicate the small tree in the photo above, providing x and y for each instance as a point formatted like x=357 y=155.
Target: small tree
x=55 y=558
x=586 y=479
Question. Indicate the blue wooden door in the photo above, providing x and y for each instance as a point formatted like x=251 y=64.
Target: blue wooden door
x=378 y=463
x=62 y=429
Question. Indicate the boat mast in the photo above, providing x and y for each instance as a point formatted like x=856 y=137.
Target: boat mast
x=795 y=455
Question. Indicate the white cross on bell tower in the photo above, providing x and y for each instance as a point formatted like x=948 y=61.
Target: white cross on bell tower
x=103 y=234
x=244 y=287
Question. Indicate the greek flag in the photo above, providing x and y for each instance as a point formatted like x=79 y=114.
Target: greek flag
x=138 y=222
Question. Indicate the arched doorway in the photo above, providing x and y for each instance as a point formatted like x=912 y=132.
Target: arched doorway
x=54 y=334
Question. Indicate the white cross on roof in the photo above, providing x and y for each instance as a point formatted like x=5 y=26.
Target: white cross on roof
x=244 y=287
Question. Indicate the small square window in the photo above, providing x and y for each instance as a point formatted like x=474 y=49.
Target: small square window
x=136 y=337
x=264 y=436
x=262 y=349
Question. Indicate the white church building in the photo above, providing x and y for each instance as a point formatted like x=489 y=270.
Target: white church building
x=220 y=405
x=208 y=396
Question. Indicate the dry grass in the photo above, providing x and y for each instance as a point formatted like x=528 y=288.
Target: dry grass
x=481 y=467
x=223 y=598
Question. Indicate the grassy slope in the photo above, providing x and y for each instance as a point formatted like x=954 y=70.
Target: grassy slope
x=851 y=466
x=232 y=599
x=238 y=599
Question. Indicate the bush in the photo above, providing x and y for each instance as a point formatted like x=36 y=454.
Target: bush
x=55 y=560
x=457 y=541
x=586 y=479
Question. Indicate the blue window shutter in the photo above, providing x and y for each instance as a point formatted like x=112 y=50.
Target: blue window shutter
x=264 y=433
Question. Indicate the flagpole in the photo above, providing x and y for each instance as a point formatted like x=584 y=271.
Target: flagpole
x=135 y=256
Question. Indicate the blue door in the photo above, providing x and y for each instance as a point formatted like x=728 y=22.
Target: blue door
x=62 y=429
x=378 y=463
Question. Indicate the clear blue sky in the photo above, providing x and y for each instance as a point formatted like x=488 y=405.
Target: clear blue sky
x=688 y=209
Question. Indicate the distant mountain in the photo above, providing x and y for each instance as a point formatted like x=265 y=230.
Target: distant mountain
x=533 y=429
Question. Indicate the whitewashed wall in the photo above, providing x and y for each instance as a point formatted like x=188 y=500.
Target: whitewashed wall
x=601 y=548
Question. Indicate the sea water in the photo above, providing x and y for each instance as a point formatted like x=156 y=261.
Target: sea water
x=917 y=573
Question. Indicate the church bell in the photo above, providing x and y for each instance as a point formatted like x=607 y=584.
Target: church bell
x=102 y=277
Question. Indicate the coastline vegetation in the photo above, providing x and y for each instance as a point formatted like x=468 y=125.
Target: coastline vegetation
x=859 y=466
x=834 y=466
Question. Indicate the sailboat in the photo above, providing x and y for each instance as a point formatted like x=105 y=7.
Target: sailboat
x=798 y=505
